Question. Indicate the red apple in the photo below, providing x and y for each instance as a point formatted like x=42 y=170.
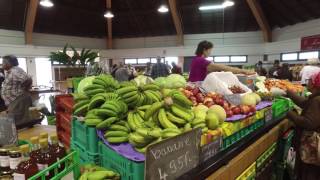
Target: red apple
x=200 y=97
x=193 y=98
x=236 y=110
x=219 y=101
x=245 y=109
x=253 y=109
x=195 y=91
x=226 y=105
x=229 y=113
x=189 y=88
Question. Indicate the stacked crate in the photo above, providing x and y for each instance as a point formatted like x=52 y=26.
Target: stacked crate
x=64 y=104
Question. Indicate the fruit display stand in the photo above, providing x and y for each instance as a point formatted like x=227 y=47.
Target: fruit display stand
x=232 y=162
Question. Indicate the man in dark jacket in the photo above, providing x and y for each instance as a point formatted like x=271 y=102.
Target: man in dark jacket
x=159 y=69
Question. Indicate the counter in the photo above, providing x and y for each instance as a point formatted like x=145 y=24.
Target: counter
x=230 y=163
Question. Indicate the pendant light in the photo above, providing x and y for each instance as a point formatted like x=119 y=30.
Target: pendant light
x=163 y=8
x=46 y=3
x=108 y=14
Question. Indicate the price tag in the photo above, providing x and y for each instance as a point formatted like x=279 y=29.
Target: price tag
x=209 y=150
x=173 y=157
x=268 y=114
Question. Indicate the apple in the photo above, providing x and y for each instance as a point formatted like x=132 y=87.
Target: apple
x=253 y=109
x=219 y=101
x=245 y=109
x=195 y=91
x=189 y=88
x=211 y=94
x=187 y=93
x=193 y=98
x=229 y=113
x=209 y=104
x=236 y=110
x=200 y=97
x=225 y=105
x=207 y=99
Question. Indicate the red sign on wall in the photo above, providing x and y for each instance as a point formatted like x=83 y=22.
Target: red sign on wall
x=310 y=42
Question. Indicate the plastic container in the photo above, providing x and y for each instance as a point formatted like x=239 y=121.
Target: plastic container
x=84 y=155
x=64 y=103
x=71 y=164
x=85 y=136
x=230 y=140
x=129 y=170
x=249 y=173
x=266 y=155
x=280 y=107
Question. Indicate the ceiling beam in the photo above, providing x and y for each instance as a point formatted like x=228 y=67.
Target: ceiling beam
x=261 y=19
x=30 y=19
x=176 y=20
x=109 y=27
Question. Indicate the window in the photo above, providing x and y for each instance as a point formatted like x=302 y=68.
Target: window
x=22 y=63
x=289 y=57
x=170 y=60
x=154 y=60
x=238 y=59
x=308 y=55
x=130 y=61
x=221 y=59
x=43 y=72
x=143 y=60
x=209 y=58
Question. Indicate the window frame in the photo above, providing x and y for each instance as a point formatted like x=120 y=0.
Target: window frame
x=229 y=61
x=298 y=56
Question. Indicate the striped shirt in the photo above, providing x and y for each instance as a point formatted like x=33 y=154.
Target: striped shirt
x=12 y=85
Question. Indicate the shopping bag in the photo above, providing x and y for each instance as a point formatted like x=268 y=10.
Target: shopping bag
x=310 y=147
x=8 y=131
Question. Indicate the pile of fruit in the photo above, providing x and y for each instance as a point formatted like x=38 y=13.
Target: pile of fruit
x=236 y=89
x=283 y=84
x=93 y=172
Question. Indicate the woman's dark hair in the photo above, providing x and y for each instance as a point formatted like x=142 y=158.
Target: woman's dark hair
x=202 y=46
x=13 y=60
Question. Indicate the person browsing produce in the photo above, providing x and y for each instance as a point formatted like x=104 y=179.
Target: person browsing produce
x=159 y=69
x=308 y=70
x=200 y=67
x=15 y=90
x=308 y=129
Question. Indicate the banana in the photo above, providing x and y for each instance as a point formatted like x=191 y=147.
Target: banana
x=131 y=121
x=141 y=150
x=106 y=113
x=107 y=123
x=156 y=133
x=115 y=134
x=164 y=121
x=144 y=132
x=99 y=82
x=111 y=96
x=181 y=112
x=81 y=110
x=152 y=87
x=197 y=121
x=116 y=127
x=84 y=176
x=141 y=113
x=93 y=92
x=127 y=89
x=125 y=124
x=151 y=96
x=131 y=99
x=201 y=125
x=138 y=139
x=169 y=134
x=79 y=97
x=172 y=130
x=129 y=94
x=141 y=100
x=187 y=127
x=92 y=122
x=157 y=94
x=175 y=119
x=111 y=106
x=99 y=175
x=137 y=120
x=116 y=140
x=124 y=106
x=80 y=104
x=93 y=86
x=153 y=109
x=91 y=116
x=204 y=130
x=116 y=104
x=96 y=102
x=182 y=99
x=143 y=108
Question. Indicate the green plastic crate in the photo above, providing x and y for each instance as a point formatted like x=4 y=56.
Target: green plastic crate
x=71 y=164
x=280 y=107
x=129 y=170
x=284 y=144
x=85 y=136
x=249 y=173
x=85 y=156
x=266 y=155
x=230 y=140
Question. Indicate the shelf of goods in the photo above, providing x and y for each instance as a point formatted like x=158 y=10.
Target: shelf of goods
x=64 y=110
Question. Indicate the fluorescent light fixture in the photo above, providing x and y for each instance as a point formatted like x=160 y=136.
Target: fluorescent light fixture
x=163 y=9
x=108 y=14
x=46 y=3
x=225 y=4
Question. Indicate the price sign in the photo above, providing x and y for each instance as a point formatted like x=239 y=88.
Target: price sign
x=233 y=99
x=209 y=150
x=268 y=114
x=173 y=157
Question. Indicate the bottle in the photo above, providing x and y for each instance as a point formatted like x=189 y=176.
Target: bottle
x=14 y=159
x=43 y=135
x=35 y=147
x=57 y=150
x=6 y=175
x=26 y=168
x=45 y=159
x=4 y=160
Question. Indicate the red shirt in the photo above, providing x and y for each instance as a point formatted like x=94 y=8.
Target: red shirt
x=198 y=69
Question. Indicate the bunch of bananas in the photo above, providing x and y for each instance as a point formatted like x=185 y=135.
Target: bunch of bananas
x=100 y=84
x=136 y=96
x=92 y=172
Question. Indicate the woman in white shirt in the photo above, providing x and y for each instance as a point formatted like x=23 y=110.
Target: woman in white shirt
x=309 y=70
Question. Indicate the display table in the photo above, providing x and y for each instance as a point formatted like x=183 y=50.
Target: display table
x=230 y=163
x=27 y=133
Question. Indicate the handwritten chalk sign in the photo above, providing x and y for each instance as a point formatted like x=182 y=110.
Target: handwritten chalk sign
x=173 y=157
x=209 y=150
x=268 y=114
x=234 y=99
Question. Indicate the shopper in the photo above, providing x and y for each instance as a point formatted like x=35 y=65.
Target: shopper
x=122 y=73
x=147 y=72
x=273 y=71
x=200 y=66
x=311 y=68
x=15 y=90
x=175 y=69
x=308 y=130
x=260 y=70
x=114 y=68
x=284 y=72
x=159 y=69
